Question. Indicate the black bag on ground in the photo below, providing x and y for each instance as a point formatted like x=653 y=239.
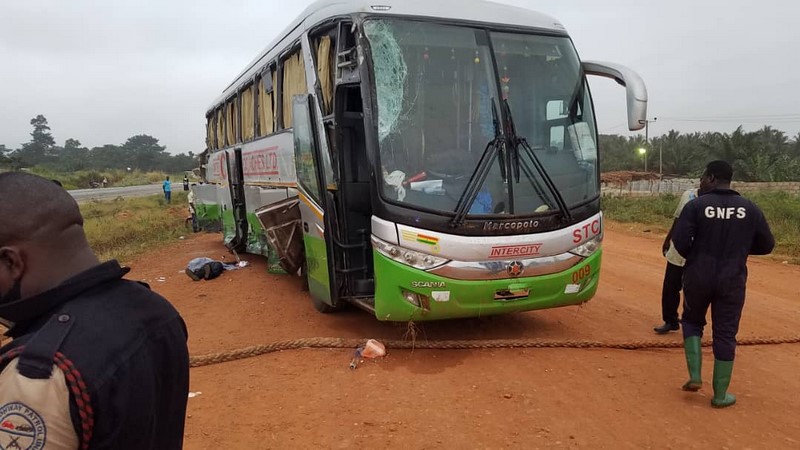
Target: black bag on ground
x=209 y=271
x=213 y=270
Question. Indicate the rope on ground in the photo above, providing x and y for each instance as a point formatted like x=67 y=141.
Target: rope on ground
x=256 y=350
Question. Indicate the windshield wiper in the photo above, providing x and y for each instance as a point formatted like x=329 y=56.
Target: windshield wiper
x=493 y=150
x=516 y=143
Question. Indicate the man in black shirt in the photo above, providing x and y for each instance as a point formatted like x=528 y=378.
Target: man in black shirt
x=96 y=361
x=715 y=233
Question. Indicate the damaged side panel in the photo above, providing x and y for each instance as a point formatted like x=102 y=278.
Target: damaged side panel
x=281 y=222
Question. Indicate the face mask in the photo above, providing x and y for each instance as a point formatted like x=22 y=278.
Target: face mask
x=14 y=294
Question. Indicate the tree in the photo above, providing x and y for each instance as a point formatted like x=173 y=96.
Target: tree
x=143 y=152
x=680 y=152
x=74 y=156
x=3 y=158
x=41 y=146
x=72 y=144
x=8 y=159
x=619 y=153
x=107 y=157
x=41 y=132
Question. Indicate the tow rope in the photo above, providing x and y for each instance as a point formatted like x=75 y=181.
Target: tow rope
x=334 y=343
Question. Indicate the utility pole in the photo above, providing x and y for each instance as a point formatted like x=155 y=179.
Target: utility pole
x=647 y=144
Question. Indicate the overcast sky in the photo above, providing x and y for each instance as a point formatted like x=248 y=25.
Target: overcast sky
x=102 y=71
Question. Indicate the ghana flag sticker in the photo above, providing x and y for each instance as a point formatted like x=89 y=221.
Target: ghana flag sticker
x=421 y=238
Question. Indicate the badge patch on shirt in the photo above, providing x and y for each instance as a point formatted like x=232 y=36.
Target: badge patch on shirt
x=21 y=427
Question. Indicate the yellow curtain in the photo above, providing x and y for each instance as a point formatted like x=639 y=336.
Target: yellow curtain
x=266 y=108
x=294 y=83
x=220 y=129
x=324 y=72
x=237 y=118
x=248 y=118
x=210 y=133
x=230 y=122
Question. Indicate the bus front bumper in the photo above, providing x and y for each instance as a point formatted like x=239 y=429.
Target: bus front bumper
x=403 y=293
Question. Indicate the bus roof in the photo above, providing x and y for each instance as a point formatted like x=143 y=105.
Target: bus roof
x=477 y=11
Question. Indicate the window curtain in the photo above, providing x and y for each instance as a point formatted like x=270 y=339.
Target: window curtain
x=248 y=114
x=294 y=83
x=324 y=73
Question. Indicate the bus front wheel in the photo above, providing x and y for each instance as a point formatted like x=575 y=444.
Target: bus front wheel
x=325 y=308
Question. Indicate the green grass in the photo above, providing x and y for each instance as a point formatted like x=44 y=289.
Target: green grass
x=124 y=228
x=82 y=179
x=653 y=210
x=782 y=210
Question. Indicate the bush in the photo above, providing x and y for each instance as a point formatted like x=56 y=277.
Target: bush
x=122 y=228
x=782 y=210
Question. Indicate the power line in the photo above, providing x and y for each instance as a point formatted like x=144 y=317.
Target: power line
x=765 y=121
x=738 y=116
x=606 y=130
x=741 y=118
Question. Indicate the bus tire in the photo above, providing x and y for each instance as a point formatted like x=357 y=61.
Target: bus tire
x=323 y=307
x=304 y=275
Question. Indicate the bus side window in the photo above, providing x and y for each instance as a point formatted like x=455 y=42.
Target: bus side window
x=248 y=117
x=305 y=147
x=265 y=101
x=325 y=60
x=231 y=121
x=555 y=116
x=294 y=83
x=557 y=138
x=346 y=55
x=211 y=128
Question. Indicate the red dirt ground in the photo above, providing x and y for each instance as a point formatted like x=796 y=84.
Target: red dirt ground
x=426 y=399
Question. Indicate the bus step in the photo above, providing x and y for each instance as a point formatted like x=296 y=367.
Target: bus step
x=364 y=287
x=365 y=303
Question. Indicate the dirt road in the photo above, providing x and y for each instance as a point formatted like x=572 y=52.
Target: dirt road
x=534 y=398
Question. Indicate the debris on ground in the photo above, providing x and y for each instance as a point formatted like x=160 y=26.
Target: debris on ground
x=372 y=349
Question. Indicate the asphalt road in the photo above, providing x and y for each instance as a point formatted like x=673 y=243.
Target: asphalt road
x=108 y=193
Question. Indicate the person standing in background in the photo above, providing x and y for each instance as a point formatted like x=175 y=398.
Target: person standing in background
x=167 y=188
x=673 y=275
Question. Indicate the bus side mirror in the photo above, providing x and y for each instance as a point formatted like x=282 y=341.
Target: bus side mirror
x=634 y=86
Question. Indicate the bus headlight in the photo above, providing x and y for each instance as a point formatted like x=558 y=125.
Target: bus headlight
x=587 y=248
x=408 y=257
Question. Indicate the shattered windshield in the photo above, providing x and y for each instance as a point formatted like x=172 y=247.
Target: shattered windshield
x=436 y=85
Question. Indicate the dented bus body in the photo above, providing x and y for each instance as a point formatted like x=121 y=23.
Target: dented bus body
x=421 y=160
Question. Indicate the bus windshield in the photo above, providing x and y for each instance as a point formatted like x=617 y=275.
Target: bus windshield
x=439 y=90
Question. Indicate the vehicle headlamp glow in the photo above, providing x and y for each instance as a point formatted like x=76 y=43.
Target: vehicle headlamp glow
x=587 y=248
x=408 y=257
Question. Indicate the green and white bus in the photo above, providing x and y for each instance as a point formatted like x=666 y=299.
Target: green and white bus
x=422 y=160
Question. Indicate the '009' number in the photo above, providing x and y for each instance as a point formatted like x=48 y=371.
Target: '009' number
x=581 y=273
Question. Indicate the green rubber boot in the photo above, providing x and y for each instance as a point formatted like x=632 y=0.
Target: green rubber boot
x=692 y=346
x=722 y=379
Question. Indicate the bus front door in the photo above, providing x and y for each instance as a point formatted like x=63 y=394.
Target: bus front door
x=310 y=183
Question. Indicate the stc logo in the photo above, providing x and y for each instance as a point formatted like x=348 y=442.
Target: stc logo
x=725 y=213
x=586 y=231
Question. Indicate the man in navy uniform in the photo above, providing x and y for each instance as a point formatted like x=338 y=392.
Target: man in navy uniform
x=96 y=361
x=715 y=233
